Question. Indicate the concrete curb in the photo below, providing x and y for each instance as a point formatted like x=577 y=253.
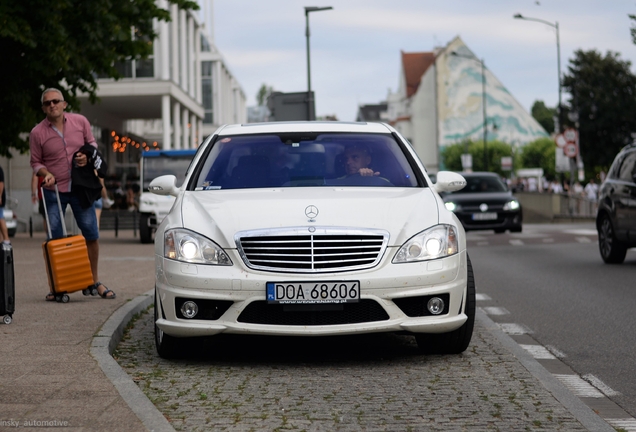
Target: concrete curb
x=104 y=344
x=584 y=414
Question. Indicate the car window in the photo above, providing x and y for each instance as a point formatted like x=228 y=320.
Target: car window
x=628 y=168
x=484 y=184
x=296 y=160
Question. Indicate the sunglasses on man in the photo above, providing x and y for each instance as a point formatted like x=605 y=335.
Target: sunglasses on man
x=52 y=102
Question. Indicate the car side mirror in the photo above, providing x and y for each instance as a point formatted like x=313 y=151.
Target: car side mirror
x=448 y=181
x=164 y=185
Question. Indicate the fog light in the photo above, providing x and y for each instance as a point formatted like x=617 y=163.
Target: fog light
x=435 y=305
x=190 y=309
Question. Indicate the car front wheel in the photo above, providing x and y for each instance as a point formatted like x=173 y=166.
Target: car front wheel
x=457 y=341
x=612 y=250
x=167 y=346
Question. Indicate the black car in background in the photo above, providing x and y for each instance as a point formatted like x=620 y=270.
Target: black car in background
x=616 y=215
x=485 y=203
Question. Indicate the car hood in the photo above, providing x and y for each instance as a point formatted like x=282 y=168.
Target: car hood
x=219 y=215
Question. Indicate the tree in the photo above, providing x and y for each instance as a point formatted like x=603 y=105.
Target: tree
x=66 y=44
x=540 y=153
x=495 y=150
x=544 y=115
x=263 y=94
x=603 y=95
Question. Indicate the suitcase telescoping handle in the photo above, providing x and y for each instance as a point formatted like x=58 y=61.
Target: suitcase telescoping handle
x=46 y=213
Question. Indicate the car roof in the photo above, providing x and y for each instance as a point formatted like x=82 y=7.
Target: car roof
x=169 y=153
x=303 y=126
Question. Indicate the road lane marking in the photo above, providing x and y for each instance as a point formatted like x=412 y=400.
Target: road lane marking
x=556 y=352
x=496 y=311
x=583 y=239
x=607 y=390
x=514 y=329
x=628 y=425
x=482 y=297
x=579 y=386
x=516 y=242
x=539 y=352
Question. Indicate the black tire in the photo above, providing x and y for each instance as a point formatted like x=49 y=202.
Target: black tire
x=516 y=229
x=167 y=346
x=500 y=231
x=12 y=232
x=612 y=251
x=457 y=341
x=145 y=232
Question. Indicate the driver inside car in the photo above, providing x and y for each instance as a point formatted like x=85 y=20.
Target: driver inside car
x=357 y=160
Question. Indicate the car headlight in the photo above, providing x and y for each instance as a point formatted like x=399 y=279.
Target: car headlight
x=187 y=246
x=511 y=205
x=451 y=206
x=437 y=242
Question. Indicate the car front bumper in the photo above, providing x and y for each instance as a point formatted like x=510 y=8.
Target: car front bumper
x=389 y=289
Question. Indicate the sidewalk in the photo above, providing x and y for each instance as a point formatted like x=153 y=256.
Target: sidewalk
x=56 y=371
x=48 y=376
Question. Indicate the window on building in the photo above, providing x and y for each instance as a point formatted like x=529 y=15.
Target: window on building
x=205 y=45
x=206 y=89
x=142 y=68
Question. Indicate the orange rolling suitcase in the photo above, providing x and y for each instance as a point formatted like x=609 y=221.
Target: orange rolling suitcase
x=67 y=265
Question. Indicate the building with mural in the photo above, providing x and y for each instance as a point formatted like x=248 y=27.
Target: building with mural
x=443 y=97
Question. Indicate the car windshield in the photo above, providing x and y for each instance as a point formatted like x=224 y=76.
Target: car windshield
x=483 y=184
x=305 y=159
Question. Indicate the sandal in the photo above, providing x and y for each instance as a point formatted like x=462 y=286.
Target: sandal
x=50 y=297
x=105 y=295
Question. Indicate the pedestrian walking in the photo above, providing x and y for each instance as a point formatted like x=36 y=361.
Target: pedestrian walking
x=591 y=190
x=55 y=143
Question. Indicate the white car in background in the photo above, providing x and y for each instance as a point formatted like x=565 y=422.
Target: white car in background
x=272 y=234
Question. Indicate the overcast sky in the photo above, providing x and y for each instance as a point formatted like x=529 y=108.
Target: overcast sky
x=355 y=48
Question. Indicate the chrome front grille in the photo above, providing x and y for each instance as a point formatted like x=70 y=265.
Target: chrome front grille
x=323 y=250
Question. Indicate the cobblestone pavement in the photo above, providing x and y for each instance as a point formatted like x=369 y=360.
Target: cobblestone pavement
x=357 y=383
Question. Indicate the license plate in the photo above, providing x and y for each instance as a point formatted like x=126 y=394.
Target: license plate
x=313 y=292
x=484 y=216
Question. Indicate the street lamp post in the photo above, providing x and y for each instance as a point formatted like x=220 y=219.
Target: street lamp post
x=308 y=9
x=483 y=103
x=554 y=25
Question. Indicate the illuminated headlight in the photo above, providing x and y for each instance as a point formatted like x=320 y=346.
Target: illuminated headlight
x=437 y=242
x=451 y=206
x=187 y=246
x=511 y=205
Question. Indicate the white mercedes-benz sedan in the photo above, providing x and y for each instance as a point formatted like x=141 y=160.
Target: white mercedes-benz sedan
x=311 y=229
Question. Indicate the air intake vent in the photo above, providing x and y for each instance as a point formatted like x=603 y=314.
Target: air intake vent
x=299 y=251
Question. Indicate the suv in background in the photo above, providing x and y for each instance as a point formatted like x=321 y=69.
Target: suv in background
x=616 y=216
x=153 y=208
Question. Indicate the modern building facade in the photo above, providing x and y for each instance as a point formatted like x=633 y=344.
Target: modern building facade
x=172 y=100
x=443 y=97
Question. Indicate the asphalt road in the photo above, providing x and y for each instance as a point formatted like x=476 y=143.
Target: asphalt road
x=551 y=281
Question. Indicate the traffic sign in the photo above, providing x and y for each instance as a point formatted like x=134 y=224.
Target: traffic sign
x=571 y=150
x=571 y=135
x=560 y=140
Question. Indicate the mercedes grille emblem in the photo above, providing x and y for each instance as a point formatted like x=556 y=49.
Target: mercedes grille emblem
x=311 y=211
x=483 y=207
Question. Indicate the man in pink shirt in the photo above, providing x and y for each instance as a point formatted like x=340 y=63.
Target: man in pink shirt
x=53 y=143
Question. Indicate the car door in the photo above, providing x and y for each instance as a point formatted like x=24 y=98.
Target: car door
x=625 y=196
